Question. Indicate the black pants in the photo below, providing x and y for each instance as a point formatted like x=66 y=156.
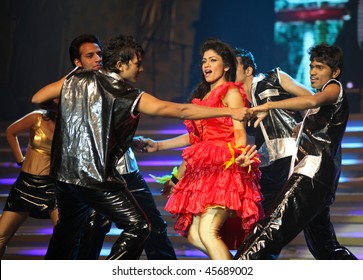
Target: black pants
x=116 y=204
x=157 y=246
x=322 y=241
x=92 y=236
x=273 y=178
x=299 y=206
x=319 y=232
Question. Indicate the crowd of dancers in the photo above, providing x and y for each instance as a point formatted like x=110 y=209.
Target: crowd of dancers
x=80 y=169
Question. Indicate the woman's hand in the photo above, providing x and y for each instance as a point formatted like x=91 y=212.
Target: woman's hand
x=247 y=156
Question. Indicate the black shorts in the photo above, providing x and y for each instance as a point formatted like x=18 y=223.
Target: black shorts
x=34 y=194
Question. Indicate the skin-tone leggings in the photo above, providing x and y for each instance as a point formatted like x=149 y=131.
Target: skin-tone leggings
x=204 y=233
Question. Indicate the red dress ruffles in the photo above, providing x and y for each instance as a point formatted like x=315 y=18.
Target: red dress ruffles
x=206 y=183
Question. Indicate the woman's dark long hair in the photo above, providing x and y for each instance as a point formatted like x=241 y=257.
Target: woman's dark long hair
x=51 y=110
x=229 y=60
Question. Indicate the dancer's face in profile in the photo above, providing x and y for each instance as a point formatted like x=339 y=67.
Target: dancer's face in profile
x=241 y=72
x=130 y=72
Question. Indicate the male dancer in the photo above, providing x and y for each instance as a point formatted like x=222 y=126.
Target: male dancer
x=274 y=137
x=99 y=114
x=304 y=200
x=85 y=51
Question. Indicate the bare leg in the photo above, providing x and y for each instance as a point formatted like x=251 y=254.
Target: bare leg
x=9 y=224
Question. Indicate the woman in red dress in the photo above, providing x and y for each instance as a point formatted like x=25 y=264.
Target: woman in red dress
x=214 y=195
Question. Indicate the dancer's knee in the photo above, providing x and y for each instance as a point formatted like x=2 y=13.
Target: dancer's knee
x=193 y=237
x=209 y=236
x=142 y=229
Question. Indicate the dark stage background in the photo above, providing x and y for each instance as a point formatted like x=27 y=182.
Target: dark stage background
x=35 y=35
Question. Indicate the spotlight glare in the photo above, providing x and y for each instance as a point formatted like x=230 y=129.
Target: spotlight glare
x=350 y=85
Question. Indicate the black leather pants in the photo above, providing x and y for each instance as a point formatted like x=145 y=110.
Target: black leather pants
x=273 y=178
x=158 y=245
x=116 y=204
x=322 y=241
x=300 y=202
x=92 y=237
x=319 y=234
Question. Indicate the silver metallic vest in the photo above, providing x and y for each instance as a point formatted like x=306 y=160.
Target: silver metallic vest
x=274 y=136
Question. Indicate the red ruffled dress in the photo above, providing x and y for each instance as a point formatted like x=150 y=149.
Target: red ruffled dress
x=206 y=183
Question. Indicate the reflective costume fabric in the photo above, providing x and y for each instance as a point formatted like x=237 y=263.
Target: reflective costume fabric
x=304 y=200
x=38 y=141
x=95 y=122
x=275 y=172
x=273 y=138
x=32 y=193
x=95 y=126
x=206 y=182
x=93 y=234
x=117 y=204
x=158 y=245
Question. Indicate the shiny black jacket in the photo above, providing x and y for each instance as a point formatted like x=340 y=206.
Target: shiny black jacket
x=273 y=137
x=94 y=128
